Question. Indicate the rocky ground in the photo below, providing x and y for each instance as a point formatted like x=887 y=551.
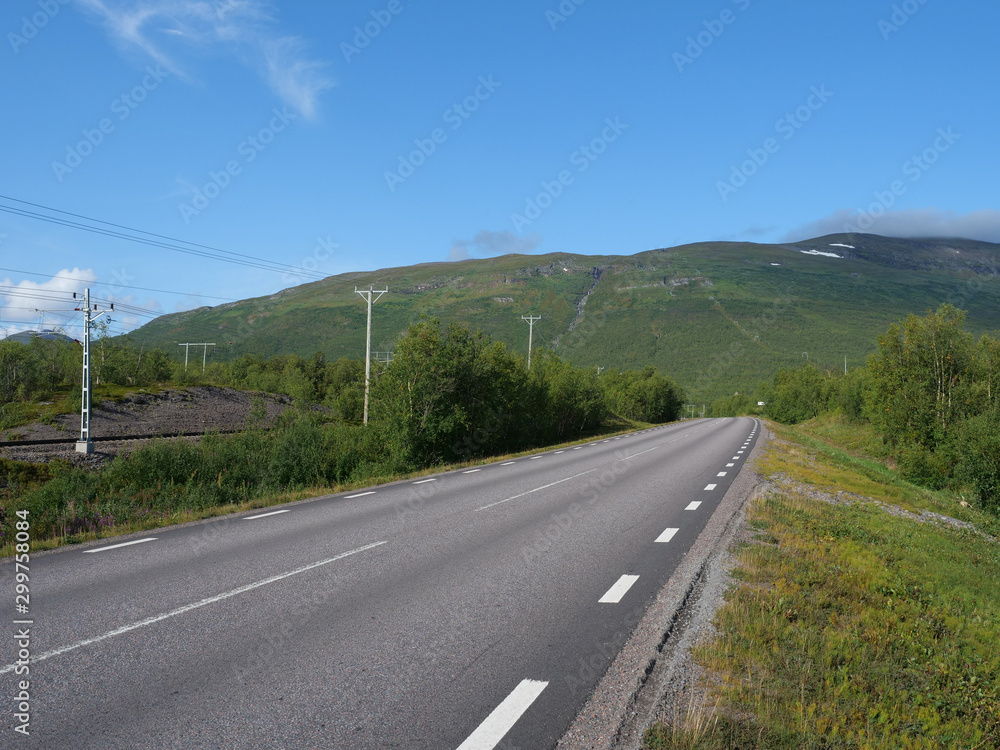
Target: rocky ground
x=196 y=409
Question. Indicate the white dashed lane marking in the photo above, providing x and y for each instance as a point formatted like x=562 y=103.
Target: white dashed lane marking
x=118 y=546
x=265 y=515
x=618 y=591
x=666 y=536
x=495 y=726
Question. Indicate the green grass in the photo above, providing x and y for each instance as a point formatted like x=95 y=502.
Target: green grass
x=850 y=627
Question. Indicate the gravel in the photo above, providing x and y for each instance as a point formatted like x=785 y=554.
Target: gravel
x=840 y=497
x=196 y=409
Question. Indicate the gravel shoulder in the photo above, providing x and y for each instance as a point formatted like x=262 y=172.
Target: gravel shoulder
x=654 y=677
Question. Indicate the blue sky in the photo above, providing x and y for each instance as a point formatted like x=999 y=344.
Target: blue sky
x=362 y=134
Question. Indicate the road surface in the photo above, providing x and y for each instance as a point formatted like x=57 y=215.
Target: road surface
x=474 y=609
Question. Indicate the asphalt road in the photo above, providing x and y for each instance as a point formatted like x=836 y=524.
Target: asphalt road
x=472 y=610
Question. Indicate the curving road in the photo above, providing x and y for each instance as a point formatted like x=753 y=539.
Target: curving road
x=474 y=609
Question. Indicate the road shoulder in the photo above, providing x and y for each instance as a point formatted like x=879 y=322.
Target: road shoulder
x=653 y=674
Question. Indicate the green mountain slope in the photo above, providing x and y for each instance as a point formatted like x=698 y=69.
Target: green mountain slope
x=716 y=316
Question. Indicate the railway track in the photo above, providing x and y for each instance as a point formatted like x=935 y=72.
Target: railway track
x=111 y=438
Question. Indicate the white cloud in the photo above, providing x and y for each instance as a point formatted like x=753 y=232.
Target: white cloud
x=487 y=244
x=165 y=30
x=20 y=299
x=924 y=222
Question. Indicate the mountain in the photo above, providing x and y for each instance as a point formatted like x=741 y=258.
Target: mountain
x=717 y=316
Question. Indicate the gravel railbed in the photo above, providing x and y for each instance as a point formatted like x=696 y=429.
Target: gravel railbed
x=194 y=409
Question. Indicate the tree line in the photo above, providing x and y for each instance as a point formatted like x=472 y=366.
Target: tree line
x=930 y=391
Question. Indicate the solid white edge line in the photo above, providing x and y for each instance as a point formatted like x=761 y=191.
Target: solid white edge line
x=495 y=726
x=615 y=594
x=694 y=505
x=666 y=536
x=118 y=546
x=265 y=515
x=710 y=487
x=188 y=607
x=360 y=494
x=537 y=489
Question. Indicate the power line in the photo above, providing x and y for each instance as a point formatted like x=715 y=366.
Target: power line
x=171 y=243
x=119 y=286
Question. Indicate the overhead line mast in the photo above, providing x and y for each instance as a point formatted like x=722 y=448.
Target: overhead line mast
x=85 y=444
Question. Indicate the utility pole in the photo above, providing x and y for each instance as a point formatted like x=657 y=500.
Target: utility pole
x=531 y=329
x=85 y=444
x=204 y=355
x=369 y=296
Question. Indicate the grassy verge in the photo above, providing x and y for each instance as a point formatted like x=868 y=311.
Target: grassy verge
x=850 y=627
x=168 y=482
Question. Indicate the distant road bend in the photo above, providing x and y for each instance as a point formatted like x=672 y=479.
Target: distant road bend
x=473 y=610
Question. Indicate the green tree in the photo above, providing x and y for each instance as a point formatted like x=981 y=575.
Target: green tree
x=921 y=378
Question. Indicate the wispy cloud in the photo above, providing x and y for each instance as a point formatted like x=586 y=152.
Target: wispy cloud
x=924 y=222
x=169 y=31
x=488 y=244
